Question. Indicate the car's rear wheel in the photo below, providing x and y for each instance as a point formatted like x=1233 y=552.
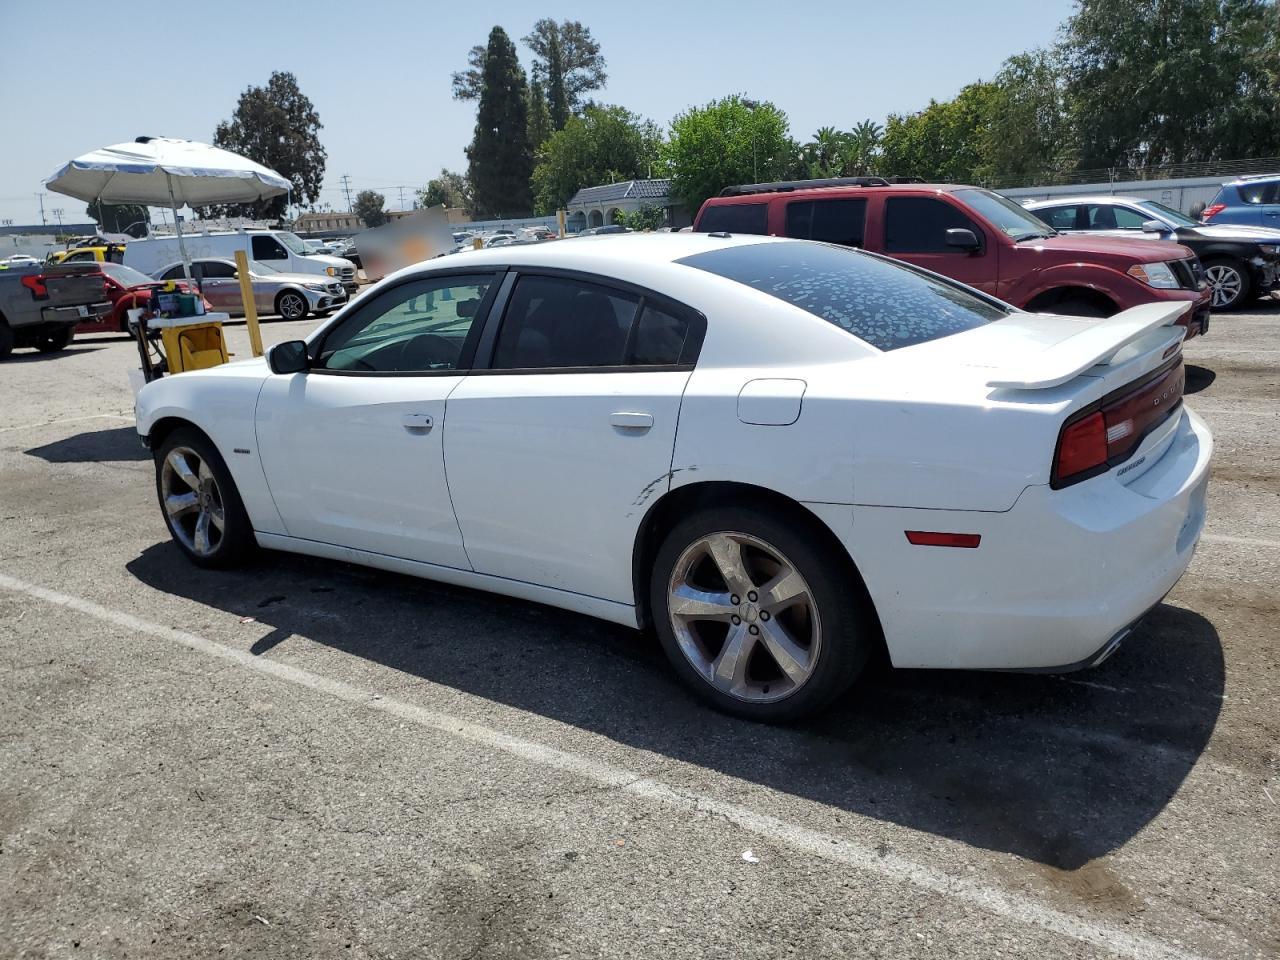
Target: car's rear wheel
x=756 y=616
x=200 y=502
x=291 y=305
x=1228 y=284
x=51 y=341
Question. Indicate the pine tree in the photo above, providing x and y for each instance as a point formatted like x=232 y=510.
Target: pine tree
x=499 y=158
x=539 y=117
x=557 y=99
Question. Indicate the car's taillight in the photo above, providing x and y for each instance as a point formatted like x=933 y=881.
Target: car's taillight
x=1212 y=210
x=1082 y=449
x=35 y=283
x=1096 y=440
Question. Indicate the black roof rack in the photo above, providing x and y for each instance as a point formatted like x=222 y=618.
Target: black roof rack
x=745 y=189
x=905 y=179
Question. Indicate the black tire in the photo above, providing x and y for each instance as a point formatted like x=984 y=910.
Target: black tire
x=6 y=340
x=1079 y=307
x=51 y=341
x=235 y=542
x=284 y=301
x=845 y=629
x=1230 y=284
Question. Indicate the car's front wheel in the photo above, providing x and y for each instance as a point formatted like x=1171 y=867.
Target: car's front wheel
x=200 y=502
x=757 y=615
x=291 y=305
x=1228 y=284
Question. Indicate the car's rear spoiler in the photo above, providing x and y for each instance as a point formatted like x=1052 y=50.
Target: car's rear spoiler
x=1096 y=344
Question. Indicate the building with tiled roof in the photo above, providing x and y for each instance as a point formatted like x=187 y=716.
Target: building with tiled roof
x=605 y=204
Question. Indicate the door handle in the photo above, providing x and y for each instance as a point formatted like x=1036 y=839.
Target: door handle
x=417 y=422
x=631 y=421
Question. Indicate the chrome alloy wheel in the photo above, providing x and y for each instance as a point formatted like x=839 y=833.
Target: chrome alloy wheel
x=1225 y=283
x=292 y=306
x=744 y=617
x=192 y=501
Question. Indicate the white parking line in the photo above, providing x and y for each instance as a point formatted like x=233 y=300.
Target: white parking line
x=50 y=423
x=1242 y=541
x=1002 y=903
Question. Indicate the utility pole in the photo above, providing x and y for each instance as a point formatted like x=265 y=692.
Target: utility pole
x=57 y=212
x=43 y=221
x=346 y=188
x=401 y=189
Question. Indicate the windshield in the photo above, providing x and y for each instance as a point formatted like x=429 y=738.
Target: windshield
x=125 y=276
x=1005 y=215
x=887 y=304
x=294 y=243
x=1168 y=213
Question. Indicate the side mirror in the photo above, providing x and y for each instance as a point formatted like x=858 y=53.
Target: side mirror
x=288 y=357
x=1152 y=226
x=963 y=238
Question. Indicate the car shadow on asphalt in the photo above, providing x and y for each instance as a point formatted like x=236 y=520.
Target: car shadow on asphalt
x=1198 y=378
x=95 y=446
x=22 y=355
x=1056 y=769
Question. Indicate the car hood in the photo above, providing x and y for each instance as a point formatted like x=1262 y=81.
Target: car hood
x=1231 y=231
x=298 y=278
x=330 y=261
x=1141 y=251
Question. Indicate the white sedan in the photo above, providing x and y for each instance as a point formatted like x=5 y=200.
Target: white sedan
x=781 y=455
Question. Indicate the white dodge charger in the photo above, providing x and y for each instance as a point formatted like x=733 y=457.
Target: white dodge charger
x=781 y=455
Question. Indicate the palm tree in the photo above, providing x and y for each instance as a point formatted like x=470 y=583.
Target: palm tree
x=862 y=143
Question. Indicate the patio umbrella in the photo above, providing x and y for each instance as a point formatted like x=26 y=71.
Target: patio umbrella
x=158 y=171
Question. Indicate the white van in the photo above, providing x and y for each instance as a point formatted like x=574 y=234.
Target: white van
x=277 y=250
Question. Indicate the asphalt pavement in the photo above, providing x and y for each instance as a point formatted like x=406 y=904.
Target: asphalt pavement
x=307 y=759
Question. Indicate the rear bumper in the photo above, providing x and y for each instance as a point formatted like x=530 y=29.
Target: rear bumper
x=80 y=313
x=1056 y=579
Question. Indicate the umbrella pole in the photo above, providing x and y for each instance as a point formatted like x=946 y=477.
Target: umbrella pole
x=177 y=223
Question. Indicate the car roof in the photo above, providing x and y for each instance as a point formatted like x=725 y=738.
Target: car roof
x=1088 y=198
x=596 y=252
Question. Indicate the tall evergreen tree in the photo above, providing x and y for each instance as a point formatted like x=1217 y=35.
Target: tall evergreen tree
x=499 y=159
x=568 y=63
x=539 y=117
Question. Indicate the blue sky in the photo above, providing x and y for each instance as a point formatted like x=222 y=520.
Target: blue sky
x=378 y=72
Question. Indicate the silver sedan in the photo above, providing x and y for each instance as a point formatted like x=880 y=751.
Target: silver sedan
x=291 y=295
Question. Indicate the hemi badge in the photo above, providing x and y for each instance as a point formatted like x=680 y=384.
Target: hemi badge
x=239 y=450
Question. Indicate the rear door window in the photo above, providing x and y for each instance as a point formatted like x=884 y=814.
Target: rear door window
x=556 y=322
x=828 y=221
x=735 y=218
x=1060 y=218
x=920 y=225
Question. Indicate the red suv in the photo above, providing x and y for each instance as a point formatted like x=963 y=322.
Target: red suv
x=974 y=236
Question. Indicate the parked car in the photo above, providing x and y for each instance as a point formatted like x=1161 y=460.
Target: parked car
x=972 y=235
x=19 y=260
x=291 y=295
x=782 y=455
x=1240 y=262
x=273 y=250
x=96 y=253
x=1249 y=201
x=126 y=289
x=41 y=305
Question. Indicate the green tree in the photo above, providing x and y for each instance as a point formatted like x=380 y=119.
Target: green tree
x=604 y=145
x=943 y=142
x=129 y=218
x=1027 y=136
x=1173 y=81
x=499 y=159
x=647 y=217
x=728 y=141
x=278 y=127
x=449 y=189
x=539 y=117
x=368 y=207
x=467 y=83
x=567 y=63
x=862 y=148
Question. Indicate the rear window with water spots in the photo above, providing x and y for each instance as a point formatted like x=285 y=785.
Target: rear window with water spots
x=886 y=304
